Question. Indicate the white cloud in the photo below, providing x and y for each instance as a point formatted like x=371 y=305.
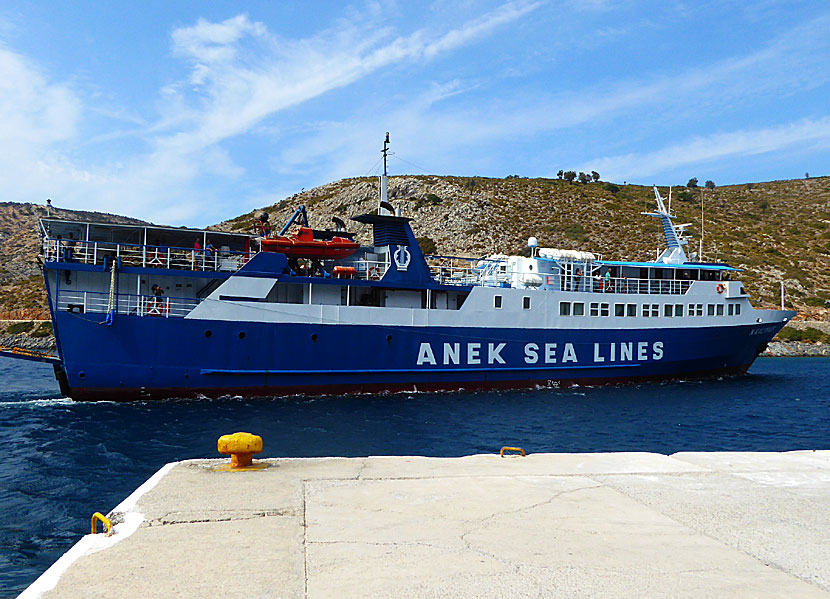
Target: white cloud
x=32 y=110
x=477 y=28
x=237 y=87
x=36 y=118
x=713 y=147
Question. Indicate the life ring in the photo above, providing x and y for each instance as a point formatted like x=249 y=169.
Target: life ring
x=720 y=288
x=374 y=273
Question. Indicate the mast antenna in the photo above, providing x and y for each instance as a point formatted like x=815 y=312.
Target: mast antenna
x=385 y=150
x=384 y=185
x=700 y=253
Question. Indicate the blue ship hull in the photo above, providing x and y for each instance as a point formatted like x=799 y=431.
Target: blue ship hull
x=139 y=357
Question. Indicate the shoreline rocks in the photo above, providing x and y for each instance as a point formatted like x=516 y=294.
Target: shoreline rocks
x=26 y=342
x=796 y=349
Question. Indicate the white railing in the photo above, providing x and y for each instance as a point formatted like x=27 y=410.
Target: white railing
x=147 y=256
x=619 y=285
x=461 y=274
x=464 y=272
x=126 y=303
x=369 y=270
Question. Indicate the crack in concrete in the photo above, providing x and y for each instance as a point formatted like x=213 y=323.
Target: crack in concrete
x=385 y=544
x=305 y=542
x=363 y=465
x=168 y=519
x=660 y=509
x=485 y=521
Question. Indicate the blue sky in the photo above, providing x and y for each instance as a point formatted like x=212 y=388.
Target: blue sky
x=191 y=112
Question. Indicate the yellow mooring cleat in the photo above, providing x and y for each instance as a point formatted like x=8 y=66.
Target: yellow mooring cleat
x=241 y=447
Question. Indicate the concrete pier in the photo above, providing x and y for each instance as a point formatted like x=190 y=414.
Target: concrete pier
x=546 y=525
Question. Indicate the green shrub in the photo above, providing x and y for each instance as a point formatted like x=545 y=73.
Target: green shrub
x=20 y=327
x=44 y=330
x=816 y=302
x=428 y=245
x=809 y=334
x=611 y=187
x=575 y=231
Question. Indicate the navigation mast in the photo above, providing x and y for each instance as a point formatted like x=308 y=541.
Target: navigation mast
x=384 y=186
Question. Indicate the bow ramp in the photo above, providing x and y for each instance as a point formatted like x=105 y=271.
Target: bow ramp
x=33 y=355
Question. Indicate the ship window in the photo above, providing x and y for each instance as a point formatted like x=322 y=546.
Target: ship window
x=730 y=310
x=651 y=310
x=579 y=309
x=678 y=309
x=691 y=310
x=668 y=310
x=525 y=303
x=737 y=309
x=497 y=302
x=710 y=310
x=604 y=309
x=720 y=309
x=594 y=308
x=619 y=309
x=564 y=308
x=631 y=309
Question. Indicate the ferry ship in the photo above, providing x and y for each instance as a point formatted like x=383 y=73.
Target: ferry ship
x=159 y=312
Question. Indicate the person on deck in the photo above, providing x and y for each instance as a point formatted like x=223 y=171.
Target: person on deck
x=197 y=252
x=68 y=255
x=157 y=301
x=210 y=253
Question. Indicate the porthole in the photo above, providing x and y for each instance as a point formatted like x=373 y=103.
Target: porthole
x=208 y=334
x=82 y=375
x=241 y=334
x=314 y=338
x=389 y=339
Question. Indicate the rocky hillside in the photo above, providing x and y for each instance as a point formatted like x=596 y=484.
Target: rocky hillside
x=22 y=294
x=778 y=230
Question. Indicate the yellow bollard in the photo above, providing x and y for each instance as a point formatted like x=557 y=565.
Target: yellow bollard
x=503 y=449
x=98 y=516
x=241 y=447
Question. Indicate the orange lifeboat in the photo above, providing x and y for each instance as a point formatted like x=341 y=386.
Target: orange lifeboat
x=303 y=244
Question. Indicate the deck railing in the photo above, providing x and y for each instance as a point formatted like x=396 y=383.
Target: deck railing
x=466 y=272
x=82 y=302
x=147 y=256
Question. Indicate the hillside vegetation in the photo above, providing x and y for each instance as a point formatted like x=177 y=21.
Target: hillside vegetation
x=775 y=231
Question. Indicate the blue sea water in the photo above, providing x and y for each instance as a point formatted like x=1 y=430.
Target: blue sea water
x=61 y=461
